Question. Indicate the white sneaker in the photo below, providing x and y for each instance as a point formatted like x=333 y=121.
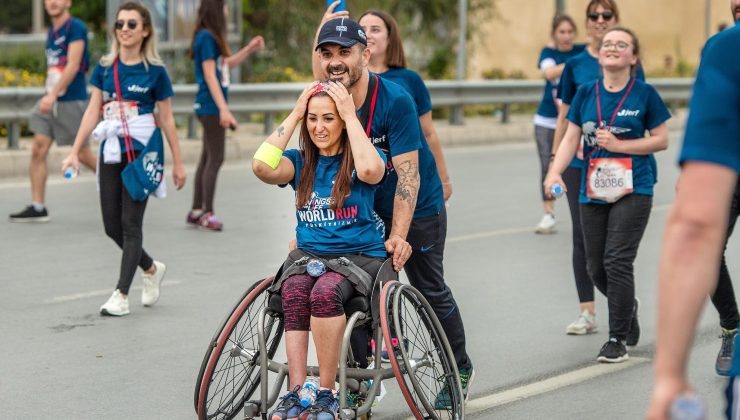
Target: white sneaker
x=546 y=225
x=150 y=292
x=584 y=324
x=116 y=305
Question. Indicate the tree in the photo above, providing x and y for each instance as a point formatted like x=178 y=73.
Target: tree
x=428 y=28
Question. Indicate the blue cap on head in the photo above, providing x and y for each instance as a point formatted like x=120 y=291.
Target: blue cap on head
x=341 y=31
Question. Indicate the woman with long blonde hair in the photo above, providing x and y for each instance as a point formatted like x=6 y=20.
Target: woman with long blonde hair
x=127 y=85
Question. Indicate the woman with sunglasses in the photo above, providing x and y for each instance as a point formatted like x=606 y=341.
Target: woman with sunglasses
x=128 y=83
x=581 y=69
x=335 y=173
x=616 y=190
x=551 y=63
x=213 y=60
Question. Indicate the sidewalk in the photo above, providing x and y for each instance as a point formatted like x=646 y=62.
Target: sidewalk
x=242 y=143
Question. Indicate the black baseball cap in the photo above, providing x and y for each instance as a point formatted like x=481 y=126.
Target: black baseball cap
x=341 y=31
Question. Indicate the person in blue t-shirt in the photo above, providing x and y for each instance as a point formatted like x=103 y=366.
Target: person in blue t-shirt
x=213 y=60
x=56 y=116
x=616 y=192
x=696 y=228
x=127 y=85
x=583 y=68
x=551 y=63
x=335 y=174
x=425 y=268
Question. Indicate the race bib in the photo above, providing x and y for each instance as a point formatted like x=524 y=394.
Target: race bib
x=53 y=76
x=225 y=73
x=609 y=179
x=112 y=110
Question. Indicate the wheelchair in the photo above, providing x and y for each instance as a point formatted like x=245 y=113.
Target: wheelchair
x=239 y=357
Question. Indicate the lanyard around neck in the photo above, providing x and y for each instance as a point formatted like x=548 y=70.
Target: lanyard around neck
x=372 y=107
x=128 y=142
x=616 y=110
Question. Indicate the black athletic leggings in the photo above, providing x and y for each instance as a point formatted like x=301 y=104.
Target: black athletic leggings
x=584 y=285
x=123 y=218
x=723 y=297
x=211 y=158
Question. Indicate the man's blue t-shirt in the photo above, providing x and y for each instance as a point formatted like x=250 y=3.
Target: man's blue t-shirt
x=642 y=110
x=206 y=48
x=396 y=130
x=57 y=46
x=140 y=83
x=351 y=229
x=581 y=69
x=414 y=85
x=713 y=127
x=547 y=107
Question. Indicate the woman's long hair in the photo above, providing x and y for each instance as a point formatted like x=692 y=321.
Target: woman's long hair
x=343 y=180
x=394 y=55
x=211 y=18
x=148 y=46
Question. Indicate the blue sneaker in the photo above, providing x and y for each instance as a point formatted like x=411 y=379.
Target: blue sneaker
x=325 y=407
x=444 y=401
x=290 y=406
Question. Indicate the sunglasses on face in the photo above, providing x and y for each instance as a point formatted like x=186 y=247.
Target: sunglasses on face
x=131 y=23
x=619 y=46
x=594 y=16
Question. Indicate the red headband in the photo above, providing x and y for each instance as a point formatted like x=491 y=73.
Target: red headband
x=321 y=87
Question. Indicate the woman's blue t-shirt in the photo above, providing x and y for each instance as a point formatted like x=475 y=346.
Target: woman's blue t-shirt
x=206 y=48
x=57 y=46
x=547 y=107
x=414 y=86
x=143 y=84
x=354 y=228
x=579 y=70
x=642 y=110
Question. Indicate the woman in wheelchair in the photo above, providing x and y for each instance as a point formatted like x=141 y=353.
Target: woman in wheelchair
x=334 y=173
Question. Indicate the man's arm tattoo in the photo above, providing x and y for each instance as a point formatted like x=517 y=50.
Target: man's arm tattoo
x=407 y=187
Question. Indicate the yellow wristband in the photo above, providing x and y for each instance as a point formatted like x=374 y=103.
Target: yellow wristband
x=269 y=154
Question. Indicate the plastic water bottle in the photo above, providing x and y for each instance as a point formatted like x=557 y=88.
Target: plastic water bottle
x=557 y=190
x=70 y=172
x=688 y=407
x=309 y=391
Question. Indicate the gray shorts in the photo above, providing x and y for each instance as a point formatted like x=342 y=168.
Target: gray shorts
x=61 y=124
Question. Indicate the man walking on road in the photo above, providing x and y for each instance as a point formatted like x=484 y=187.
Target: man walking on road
x=56 y=116
x=696 y=228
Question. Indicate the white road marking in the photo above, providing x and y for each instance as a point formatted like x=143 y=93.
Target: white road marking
x=96 y=293
x=548 y=385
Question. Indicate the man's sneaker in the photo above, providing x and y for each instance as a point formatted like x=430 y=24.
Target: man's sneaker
x=152 y=282
x=546 y=225
x=30 y=215
x=325 y=407
x=633 y=336
x=724 y=358
x=209 y=221
x=613 y=351
x=193 y=217
x=584 y=324
x=289 y=407
x=443 y=399
x=115 y=306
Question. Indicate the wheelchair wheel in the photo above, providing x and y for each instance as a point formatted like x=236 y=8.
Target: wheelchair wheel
x=227 y=379
x=423 y=361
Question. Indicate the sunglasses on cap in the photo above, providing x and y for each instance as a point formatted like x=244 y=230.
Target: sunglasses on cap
x=594 y=16
x=131 y=23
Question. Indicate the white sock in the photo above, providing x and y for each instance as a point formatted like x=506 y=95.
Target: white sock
x=38 y=206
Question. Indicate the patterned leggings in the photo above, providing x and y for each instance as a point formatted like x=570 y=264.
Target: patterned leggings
x=304 y=296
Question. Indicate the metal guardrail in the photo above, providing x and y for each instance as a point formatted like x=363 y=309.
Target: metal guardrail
x=272 y=98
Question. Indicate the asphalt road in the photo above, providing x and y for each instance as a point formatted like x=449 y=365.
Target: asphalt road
x=60 y=359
